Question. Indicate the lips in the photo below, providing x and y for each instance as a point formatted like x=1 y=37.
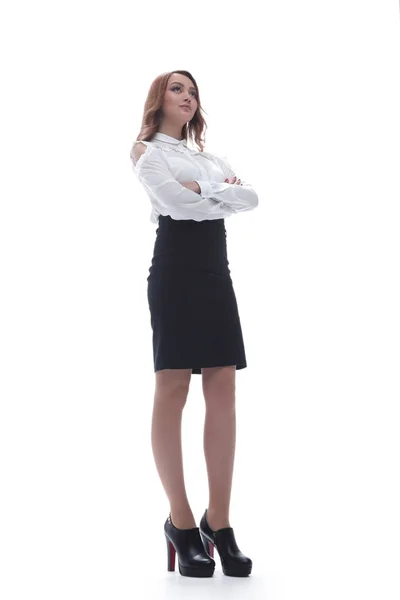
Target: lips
x=186 y=106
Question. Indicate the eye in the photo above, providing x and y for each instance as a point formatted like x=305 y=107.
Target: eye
x=178 y=87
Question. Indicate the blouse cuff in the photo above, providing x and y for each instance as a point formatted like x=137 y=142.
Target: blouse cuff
x=205 y=188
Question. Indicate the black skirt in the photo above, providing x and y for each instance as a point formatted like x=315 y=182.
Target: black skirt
x=193 y=308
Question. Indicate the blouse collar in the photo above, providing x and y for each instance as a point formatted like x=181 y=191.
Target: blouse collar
x=163 y=137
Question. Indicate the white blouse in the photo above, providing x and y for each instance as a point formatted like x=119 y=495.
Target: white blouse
x=168 y=161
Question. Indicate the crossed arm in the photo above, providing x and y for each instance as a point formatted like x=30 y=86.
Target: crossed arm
x=197 y=199
x=194 y=186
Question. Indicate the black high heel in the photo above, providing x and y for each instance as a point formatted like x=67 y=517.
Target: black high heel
x=233 y=561
x=193 y=561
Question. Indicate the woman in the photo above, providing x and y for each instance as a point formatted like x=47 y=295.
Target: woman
x=194 y=314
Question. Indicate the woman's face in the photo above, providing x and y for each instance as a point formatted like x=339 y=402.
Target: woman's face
x=180 y=93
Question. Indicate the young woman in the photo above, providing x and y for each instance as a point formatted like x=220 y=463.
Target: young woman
x=194 y=314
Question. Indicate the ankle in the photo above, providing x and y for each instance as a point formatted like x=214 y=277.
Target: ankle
x=217 y=519
x=182 y=518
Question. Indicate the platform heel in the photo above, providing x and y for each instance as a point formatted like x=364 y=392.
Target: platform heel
x=193 y=560
x=171 y=553
x=233 y=561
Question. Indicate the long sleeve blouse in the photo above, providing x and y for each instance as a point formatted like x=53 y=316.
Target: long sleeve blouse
x=168 y=161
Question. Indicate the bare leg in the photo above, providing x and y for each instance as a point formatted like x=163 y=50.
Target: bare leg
x=172 y=387
x=219 y=440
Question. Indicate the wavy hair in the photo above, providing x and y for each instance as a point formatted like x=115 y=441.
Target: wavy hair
x=193 y=131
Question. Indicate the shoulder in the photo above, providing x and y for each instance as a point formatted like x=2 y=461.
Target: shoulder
x=224 y=164
x=138 y=149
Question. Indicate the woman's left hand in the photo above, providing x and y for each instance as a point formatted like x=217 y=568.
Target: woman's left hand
x=233 y=180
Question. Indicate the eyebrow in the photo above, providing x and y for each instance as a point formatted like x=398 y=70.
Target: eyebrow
x=178 y=82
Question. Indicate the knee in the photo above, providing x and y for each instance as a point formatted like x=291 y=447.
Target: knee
x=220 y=399
x=172 y=388
x=219 y=388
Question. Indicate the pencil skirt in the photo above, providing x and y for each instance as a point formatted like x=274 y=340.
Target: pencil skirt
x=193 y=309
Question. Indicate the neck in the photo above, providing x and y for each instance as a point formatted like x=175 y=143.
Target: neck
x=174 y=131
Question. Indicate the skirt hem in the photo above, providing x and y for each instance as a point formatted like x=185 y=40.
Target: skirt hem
x=197 y=370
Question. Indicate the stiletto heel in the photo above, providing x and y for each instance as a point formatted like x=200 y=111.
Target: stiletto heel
x=193 y=561
x=233 y=561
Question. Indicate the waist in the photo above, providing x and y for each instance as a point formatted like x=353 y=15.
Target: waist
x=193 y=244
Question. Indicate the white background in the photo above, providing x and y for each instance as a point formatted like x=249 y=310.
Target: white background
x=303 y=98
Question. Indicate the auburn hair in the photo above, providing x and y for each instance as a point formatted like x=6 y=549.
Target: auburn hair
x=193 y=131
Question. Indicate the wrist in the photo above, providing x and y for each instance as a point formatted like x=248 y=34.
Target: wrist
x=193 y=186
x=205 y=188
